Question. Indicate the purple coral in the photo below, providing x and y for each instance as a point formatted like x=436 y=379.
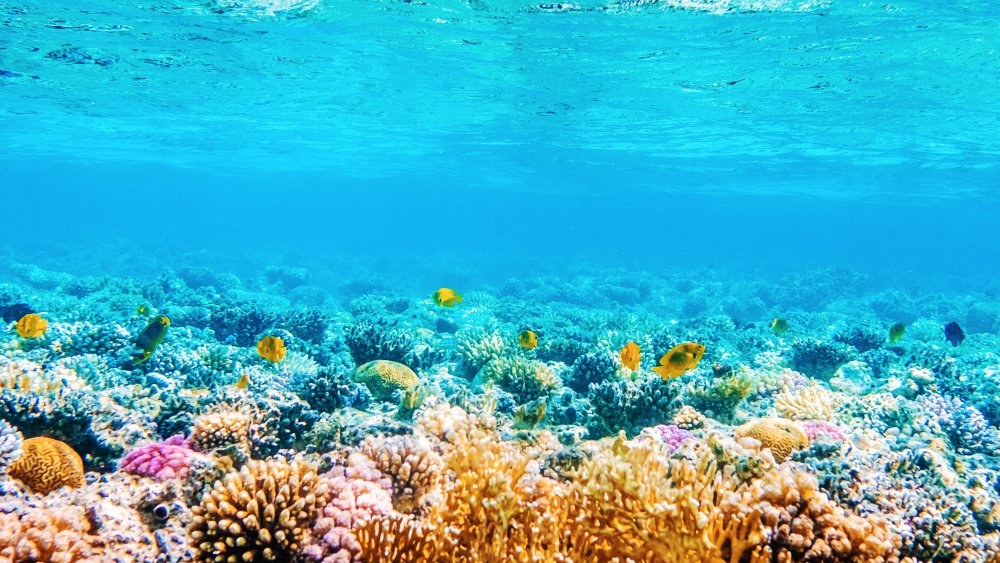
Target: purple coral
x=670 y=435
x=816 y=428
x=359 y=492
x=160 y=460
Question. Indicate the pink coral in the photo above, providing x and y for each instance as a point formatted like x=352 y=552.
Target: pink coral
x=360 y=493
x=670 y=435
x=816 y=427
x=160 y=460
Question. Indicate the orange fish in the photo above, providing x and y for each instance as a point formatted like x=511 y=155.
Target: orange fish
x=680 y=359
x=446 y=297
x=631 y=354
x=31 y=326
x=271 y=348
x=243 y=382
x=528 y=339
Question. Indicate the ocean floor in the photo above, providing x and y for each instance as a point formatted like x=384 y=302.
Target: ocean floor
x=201 y=416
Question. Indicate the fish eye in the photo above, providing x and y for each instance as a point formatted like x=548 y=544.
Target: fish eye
x=161 y=511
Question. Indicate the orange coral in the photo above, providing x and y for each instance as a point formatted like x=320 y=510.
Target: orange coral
x=41 y=534
x=47 y=464
x=261 y=513
x=781 y=436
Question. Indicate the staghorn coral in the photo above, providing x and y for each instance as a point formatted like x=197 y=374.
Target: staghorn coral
x=59 y=535
x=781 y=436
x=808 y=403
x=47 y=464
x=412 y=463
x=261 y=513
x=10 y=445
x=385 y=377
x=221 y=429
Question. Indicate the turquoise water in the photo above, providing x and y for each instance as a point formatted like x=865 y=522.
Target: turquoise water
x=771 y=134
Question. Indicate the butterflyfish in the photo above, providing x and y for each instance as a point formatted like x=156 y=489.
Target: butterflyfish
x=680 y=359
x=142 y=310
x=446 y=297
x=528 y=339
x=779 y=326
x=896 y=332
x=243 y=382
x=150 y=338
x=631 y=354
x=953 y=333
x=271 y=348
x=31 y=326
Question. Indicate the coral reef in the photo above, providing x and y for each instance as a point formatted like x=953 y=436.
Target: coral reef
x=384 y=377
x=46 y=464
x=780 y=436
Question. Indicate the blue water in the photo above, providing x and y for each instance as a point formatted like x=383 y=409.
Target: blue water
x=430 y=141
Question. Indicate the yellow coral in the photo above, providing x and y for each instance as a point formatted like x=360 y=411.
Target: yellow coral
x=29 y=377
x=384 y=377
x=781 y=436
x=46 y=464
x=808 y=403
x=221 y=429
x=45 y=534
x=688 y=418
x=261 y=513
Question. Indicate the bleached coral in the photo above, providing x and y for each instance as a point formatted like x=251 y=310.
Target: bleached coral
x=808 y=403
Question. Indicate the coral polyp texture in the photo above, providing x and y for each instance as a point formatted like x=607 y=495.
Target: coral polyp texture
x=261 y=513
x=396 y=429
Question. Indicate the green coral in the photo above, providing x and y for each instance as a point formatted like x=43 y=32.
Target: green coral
x=720 y=399
x=385 y=377
x=477 y=347
x=524 y=378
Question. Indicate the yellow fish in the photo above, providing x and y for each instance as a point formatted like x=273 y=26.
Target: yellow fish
x=271 y=348
x=896 y=332
x=446 y=297
x=528 y=340
x=680 y=359
x=243 y=382
x=779 y=326
x=31 y=326
x=142 y=310
x=631 y=354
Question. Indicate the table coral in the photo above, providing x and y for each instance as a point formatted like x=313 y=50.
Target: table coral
x=47 y=464
x=261 y=513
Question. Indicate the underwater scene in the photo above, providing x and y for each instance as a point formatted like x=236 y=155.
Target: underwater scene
x=659 y=281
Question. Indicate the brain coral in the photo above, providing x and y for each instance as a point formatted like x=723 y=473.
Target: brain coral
x=261 y=513
x=47 y=464
x=384 y=377
x=781 y=436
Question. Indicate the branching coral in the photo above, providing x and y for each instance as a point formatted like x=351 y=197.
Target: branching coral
x=25 y=376
x=56 y=535
x=369 y=341
x=221 y=429
x=10 y=445
x=808 y=403
x=477 y=347
x=525 y=378
x=261 y=513
x=47 y=464
x=412 y=463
